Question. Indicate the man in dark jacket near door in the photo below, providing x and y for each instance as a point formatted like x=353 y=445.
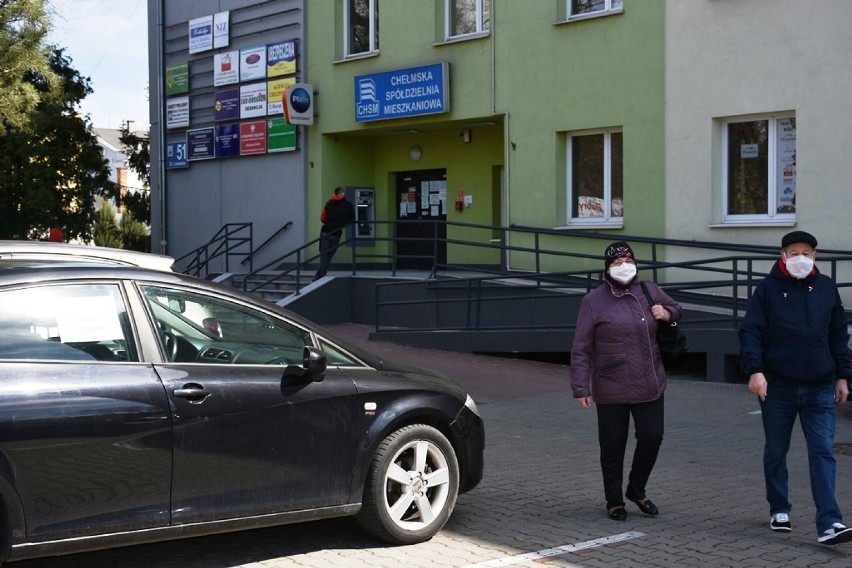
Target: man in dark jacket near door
x=793 y=348
x=337 y=214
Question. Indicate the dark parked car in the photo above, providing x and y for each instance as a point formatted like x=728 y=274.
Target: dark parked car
x=139 y=405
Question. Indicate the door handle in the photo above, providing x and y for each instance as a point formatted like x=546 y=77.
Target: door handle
x=192 y=392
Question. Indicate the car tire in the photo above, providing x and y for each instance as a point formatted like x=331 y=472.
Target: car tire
x=411 y=486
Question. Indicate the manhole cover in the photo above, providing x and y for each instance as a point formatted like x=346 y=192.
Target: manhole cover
x=843 y=449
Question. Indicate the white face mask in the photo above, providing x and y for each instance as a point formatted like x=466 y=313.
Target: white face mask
x=799 y=266
x=623 y=273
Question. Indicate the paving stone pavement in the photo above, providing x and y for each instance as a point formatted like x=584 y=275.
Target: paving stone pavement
x=541 y=501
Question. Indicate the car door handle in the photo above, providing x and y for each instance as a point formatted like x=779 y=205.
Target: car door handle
x=192 y=392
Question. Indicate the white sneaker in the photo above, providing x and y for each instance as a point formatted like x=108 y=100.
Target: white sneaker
x=837 y=534
x=780 y=522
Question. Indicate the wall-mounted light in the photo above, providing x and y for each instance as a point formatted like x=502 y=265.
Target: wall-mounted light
x=414 y=153
x=465 y=135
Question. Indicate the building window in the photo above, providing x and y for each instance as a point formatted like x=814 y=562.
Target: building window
x=595 y=178
x=594 y=7
x=362 y=27
x=467 y=17
x=760 y=169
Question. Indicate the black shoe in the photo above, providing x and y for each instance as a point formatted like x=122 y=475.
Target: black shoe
x=645 y=505
x=617 y=513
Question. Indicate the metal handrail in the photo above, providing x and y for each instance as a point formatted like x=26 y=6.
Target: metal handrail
x=262 y=245
x=299 y=259
x=225 y=243
x=736 y=283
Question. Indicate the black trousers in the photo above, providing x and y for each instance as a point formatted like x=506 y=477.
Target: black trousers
x=613 y=428
x=327 y=247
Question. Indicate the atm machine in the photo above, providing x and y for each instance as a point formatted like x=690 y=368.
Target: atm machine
x=364 y=228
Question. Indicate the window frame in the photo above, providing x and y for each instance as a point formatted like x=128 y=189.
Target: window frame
x=608 y=220
x=449 y=10
x=771 y=215
x=373 y=30
x=610 y=7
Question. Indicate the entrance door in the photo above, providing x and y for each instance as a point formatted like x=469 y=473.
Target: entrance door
x=421 y=236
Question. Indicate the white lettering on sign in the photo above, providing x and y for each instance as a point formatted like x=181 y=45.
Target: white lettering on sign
x=412 y=92
x=415 y=106
x=368 y=109
x=282 y=51
x=416 y=77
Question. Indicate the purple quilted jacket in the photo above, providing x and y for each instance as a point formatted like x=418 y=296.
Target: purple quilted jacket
x=615 y=357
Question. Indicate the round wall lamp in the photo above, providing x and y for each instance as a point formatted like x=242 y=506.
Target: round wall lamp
x=414 y=153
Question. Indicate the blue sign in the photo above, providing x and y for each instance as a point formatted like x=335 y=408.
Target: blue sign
x=176 y=155
x=227 y=105
x=406 y=92
x=227 y=140
x=200 y=144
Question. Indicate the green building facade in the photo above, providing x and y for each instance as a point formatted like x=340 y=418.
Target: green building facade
x=552 y=117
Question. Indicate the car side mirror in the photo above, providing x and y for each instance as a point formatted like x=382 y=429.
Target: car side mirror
x=314 y=363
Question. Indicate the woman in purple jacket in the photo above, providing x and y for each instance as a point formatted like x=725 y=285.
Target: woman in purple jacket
x=615 y=362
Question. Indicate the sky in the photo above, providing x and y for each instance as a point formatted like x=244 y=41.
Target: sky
x=107 y=41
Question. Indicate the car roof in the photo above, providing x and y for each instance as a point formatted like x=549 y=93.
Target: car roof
x=47 y=252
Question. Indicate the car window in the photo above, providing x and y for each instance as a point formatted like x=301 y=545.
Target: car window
x=336 y=357
x=196 y=327
x=70 y=322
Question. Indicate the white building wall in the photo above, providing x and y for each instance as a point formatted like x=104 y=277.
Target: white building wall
x=727 y=58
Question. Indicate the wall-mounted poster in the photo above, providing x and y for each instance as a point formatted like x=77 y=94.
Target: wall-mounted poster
x=281 y=58
x=177 y=112
x=227 y=140
x=226 y=68
x=177 y=79
x=226 y=105
x=280 y=136
x=201 y=34
x=253 y=138
x=253 y=63
x=275 y=93
x=200 y=144
x=253 y=100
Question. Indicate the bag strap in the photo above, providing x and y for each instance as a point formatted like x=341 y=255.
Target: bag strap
x=647 y=295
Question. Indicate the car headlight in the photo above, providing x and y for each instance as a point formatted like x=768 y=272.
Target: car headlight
x=472 y=406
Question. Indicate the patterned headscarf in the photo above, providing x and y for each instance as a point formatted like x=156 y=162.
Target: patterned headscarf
x=618 y=249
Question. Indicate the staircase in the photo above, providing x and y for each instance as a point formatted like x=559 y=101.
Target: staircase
x=270 y=285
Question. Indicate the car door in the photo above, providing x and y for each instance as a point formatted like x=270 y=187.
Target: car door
x=85 y=431
x=248 y=440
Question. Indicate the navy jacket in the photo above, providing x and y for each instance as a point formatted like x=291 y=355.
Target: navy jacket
x=794 y=331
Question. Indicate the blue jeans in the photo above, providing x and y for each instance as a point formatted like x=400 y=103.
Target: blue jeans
x=815 y=407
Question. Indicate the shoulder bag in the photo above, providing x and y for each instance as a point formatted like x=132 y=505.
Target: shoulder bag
x=671 y=341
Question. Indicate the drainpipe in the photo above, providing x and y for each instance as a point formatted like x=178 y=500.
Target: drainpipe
x=505 y=214
x=161 y=127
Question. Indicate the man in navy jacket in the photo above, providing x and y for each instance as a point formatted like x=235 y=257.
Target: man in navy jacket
x=793 y=348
